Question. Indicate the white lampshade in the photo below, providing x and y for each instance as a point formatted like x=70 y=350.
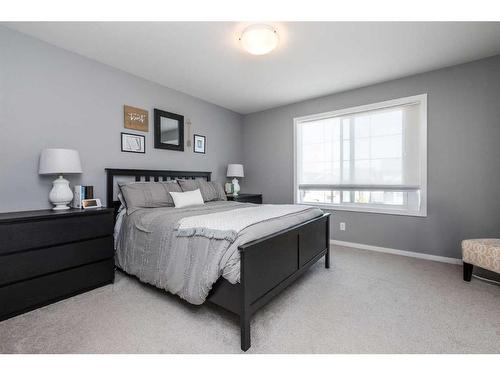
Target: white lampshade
x=59 y=161
x=235 y=170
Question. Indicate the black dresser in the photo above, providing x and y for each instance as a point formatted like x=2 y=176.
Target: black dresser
x=245 y=198
x=47 y=255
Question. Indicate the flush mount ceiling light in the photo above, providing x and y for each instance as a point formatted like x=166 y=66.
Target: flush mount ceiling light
x=259 y=39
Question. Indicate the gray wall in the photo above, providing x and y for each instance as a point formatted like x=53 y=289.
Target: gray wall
x=463 y=159
x=53 y=98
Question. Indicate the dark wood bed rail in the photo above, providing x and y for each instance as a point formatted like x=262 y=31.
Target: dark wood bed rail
x=268 y=265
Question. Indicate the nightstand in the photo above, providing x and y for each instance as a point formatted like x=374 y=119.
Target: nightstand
x=245 y=198
x=47 y=255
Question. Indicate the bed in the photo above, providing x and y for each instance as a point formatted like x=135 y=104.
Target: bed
x=254 y=266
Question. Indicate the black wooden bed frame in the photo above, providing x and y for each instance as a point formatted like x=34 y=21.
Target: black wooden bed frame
x=268 y=264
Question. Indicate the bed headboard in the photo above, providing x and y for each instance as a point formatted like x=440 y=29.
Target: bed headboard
x=113 y=176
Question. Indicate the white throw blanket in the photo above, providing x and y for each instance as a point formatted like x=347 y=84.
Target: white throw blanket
x=227 y=224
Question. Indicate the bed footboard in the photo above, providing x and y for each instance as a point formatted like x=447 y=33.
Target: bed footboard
x=269 y=265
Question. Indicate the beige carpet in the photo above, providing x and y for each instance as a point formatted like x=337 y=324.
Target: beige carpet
x=366 y=303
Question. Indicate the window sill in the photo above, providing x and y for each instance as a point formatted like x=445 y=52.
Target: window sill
x=371 y=210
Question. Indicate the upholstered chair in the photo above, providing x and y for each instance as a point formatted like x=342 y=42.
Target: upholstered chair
x=482 y=252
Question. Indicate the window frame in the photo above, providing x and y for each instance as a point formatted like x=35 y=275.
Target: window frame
x=421 y=100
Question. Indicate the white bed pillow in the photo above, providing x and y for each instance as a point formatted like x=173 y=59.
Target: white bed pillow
x=187 y=198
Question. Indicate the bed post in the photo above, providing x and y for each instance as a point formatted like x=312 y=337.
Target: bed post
x=327 y=255
x=109 y=188
x=245 y=306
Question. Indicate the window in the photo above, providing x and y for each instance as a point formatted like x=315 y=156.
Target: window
x=371 y=158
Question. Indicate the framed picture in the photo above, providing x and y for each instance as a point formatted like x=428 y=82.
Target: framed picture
x=135 y=118
x=133 y=143
x=169 y=130
x=199 y=144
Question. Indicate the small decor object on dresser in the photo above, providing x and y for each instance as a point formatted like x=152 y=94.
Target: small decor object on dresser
x=136 y=118
x=91 y=203
x=58 y=161
x=133 y=143
x=81 y=193
x=199 y=144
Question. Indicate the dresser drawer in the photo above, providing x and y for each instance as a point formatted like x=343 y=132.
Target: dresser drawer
x=27 y=295
x=24 y=235
x=27 y=264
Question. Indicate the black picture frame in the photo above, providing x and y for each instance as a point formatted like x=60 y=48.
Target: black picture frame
x=134 y=135
x=204 y=143
x=158 y=114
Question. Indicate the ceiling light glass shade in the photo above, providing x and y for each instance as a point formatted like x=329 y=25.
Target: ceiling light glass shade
x=259 y=39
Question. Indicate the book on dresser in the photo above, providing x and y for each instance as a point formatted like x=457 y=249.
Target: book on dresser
x=47 y=255
x=81 y=192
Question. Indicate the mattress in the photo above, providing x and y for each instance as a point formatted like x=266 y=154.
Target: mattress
x=150 y=245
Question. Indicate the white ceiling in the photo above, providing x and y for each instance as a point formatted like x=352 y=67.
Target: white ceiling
x=204 y=59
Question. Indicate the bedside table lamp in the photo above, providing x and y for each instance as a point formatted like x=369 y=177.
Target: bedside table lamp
x=58 y=161
x=235 y=170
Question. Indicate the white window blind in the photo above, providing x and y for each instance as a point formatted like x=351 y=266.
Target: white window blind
x=369 y=158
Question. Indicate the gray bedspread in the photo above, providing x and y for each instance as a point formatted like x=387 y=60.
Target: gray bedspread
x=148 y=247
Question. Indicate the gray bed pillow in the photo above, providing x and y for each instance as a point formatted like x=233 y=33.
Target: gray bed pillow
x=148 y=194
x=210 y=191
x=220 y=190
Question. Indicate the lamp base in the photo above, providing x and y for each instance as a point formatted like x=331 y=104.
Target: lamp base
x=60 y=195
x=61 y=207
x=236 y=187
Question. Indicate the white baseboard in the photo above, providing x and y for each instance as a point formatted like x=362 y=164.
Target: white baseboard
x=405 y=253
